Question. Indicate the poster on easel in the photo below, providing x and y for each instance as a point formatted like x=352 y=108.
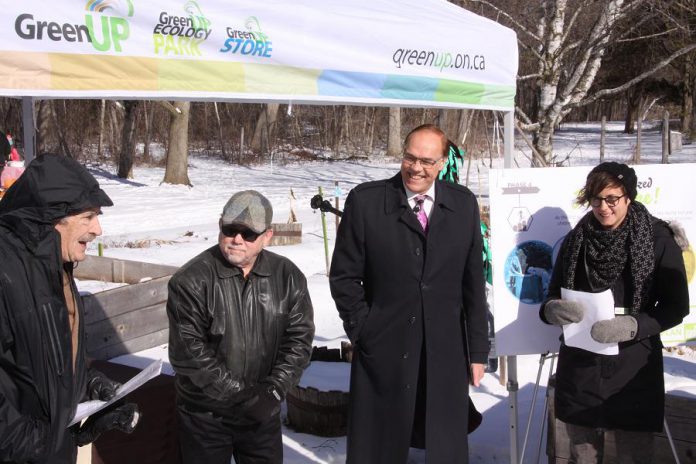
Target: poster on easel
x=532 y=210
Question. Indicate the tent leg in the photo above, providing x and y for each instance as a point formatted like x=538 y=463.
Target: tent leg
x=542 y=359
x=545 y=416
x=671 y=443
x=29 y=133
x=509 y=137
x=512 y=387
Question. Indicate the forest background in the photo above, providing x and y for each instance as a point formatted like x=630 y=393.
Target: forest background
x=580 y=60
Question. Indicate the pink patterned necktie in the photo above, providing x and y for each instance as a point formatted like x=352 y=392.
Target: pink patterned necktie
x=420 y=212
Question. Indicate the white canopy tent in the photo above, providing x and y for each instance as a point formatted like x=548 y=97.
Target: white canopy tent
x=406 y=53
x=409 y=53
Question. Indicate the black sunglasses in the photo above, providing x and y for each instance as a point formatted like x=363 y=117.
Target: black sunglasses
x=232 y=230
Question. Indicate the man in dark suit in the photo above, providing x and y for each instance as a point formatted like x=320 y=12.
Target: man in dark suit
x=407 y=278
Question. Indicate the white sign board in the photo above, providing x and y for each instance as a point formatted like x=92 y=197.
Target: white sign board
x=531 y=212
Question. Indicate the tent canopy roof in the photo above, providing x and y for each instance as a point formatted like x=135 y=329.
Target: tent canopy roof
x=372 y=52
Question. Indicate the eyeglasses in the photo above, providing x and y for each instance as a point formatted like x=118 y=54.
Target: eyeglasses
x=410 y=160
x=232 y=230
x=611 y=200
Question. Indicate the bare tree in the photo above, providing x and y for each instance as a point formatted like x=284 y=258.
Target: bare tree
x=394 y=140
x=177 y=152
x=148 y=114
x=688 y=97
x=100 y=145
x=565 y=45
x=219 y=126
x=265 y=125
x=126 y=156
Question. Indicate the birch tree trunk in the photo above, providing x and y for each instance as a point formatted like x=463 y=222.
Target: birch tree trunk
x=177 y=152
x=564 y=50
x=556 y=96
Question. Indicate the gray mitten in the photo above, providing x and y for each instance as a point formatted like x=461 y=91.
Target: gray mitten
x=561 y=312
x=619 y=329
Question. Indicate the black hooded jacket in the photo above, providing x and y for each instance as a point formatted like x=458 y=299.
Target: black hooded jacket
x=38 y=389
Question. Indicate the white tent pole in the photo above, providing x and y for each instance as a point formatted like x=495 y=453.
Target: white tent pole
x=509 y=137
x=512 y=388
x=29 y=129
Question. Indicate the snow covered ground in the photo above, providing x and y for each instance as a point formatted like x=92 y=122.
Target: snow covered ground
x=170 y=224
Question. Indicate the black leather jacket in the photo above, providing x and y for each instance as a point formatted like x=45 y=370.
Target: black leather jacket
x=228 y=334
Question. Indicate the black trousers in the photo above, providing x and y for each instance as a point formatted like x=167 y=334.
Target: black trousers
x=207 y=438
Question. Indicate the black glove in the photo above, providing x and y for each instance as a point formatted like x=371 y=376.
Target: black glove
x=100 y=387
x=561 y=312
x=263 y=404
x=122 y=417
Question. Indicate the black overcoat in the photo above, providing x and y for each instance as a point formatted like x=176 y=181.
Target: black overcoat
x=398 y=291
x=624 y=391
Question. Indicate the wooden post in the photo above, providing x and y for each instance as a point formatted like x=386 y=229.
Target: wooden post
x=326 y=238
x=241 y=143
x=639 y=136
x=665 y=138
x=502 y=365
x=336 y=203
x=602 y=139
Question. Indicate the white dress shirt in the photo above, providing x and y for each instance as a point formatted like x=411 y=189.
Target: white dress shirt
x=429 y=199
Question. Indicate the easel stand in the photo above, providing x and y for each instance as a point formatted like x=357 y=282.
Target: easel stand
x=513 y=387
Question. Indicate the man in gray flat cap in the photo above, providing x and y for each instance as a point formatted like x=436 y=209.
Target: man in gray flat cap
x=240 y=335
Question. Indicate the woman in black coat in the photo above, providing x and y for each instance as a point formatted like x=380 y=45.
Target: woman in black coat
x=618 y=246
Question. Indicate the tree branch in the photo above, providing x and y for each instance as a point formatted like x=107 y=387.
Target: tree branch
x=528 y=124
x=644 y=37
x=528 y=76
x=608 y=92
x=509 y=18
x=538 y=157
x=173 y=110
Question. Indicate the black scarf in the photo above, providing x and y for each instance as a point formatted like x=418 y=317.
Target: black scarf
x=608 y=251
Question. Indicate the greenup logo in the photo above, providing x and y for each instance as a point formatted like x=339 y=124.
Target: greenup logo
x=252 y=42
x=198 y=19
x=181 y=35
x=254 y=26
x=106 y=23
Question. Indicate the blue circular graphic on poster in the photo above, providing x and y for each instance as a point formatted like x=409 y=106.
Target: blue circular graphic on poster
x=528 y=271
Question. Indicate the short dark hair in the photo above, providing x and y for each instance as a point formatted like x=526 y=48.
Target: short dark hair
x=433 y=129
x=609 y=174
x=596 y=182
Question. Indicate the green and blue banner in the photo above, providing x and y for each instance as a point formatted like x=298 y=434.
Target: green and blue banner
x=378 y=52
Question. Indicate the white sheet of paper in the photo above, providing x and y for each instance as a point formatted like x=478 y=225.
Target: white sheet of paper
x=598 y=307
x=88 y=408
